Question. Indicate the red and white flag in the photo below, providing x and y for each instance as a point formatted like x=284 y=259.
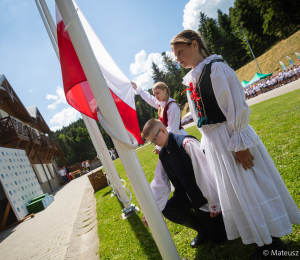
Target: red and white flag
x=77 y=89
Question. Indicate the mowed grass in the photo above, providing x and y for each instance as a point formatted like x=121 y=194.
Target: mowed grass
x=276 y=121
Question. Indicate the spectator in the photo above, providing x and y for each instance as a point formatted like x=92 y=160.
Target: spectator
x=63 y=175
x=117 y=155
x=87 y=165
x=113 y=154
x=69 y=176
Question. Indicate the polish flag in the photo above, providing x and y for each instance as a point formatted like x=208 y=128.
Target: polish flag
x=77 y=89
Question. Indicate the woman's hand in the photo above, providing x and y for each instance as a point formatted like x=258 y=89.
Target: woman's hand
x=156 y=151
x=133 y=85
x=245 y=158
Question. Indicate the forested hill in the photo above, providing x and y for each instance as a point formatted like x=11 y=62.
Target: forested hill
x=264 y=23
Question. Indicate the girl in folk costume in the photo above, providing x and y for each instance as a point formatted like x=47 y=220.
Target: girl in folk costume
x=169 y=114
x=255 y=202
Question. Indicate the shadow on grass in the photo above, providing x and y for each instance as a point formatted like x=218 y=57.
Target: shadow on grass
x=107 y=193
x=228 y=250
x=143 y=235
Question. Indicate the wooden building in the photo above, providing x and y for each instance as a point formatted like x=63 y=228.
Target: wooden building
x=24 y=128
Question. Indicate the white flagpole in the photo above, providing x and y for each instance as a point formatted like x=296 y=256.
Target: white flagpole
x=107 y=161
x=47 y=28
x=112 y=117
x=98 y=150
x=49 y=19
x=90 y=124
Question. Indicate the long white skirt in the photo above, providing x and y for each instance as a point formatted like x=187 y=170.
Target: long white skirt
x=255 y=203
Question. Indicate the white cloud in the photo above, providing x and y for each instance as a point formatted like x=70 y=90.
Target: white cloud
x=193 y=8
x=49 y=97
x=59 y=98
x=55 y=128
x=64 y=118
x=143 y=66
x=139 y=64
x=30 y=90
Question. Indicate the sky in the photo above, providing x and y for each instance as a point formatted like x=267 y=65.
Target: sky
x=134 y=32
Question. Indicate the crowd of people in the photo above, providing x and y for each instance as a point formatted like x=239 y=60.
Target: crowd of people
x=188 y=118
x=276 y=80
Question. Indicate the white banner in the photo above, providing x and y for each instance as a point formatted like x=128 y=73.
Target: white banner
x=18 y=180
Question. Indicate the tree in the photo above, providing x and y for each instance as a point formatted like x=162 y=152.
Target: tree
x=203 y=29
x=232 y=51
x=157 y=74
x=214 y=39
x=76 y=144
x=280 y=17
x=247 y=12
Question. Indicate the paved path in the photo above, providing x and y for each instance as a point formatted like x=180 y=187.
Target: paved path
x=47 y=235
x=265 y=96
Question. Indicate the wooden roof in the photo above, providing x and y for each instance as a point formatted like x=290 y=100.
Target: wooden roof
x=11 y=104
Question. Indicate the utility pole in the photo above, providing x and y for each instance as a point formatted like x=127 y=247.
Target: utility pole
x=245 y=38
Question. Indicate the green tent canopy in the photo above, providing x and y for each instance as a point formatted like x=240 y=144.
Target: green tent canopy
x=244 y=83
x=258 y=77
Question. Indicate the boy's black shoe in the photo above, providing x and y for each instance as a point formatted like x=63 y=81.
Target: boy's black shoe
x=193 y=222
x=199 y=239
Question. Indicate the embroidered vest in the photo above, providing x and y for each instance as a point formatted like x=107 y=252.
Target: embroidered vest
x=206 y=106
x=178 y=166
x=164 y=118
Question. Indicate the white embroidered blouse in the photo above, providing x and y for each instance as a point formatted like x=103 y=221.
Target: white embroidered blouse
x=230 y=97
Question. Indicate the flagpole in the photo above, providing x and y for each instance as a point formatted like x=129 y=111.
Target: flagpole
x=47 y=28
x=112 y=117
x=49 y=19
x=98 y=150
x=107 y=161
x=92 y=127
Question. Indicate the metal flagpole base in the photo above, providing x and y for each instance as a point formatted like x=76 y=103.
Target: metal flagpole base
x=128 y=212
x=113 y=193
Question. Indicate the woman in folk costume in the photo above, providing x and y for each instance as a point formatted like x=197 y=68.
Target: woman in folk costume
x=255 y=202
x=169 y=114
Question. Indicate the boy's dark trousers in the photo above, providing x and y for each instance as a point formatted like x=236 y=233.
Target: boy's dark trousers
x=187 y=194
x=179 y=210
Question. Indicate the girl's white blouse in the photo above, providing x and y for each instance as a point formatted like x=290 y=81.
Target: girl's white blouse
x=231 y=99
x=174 y=112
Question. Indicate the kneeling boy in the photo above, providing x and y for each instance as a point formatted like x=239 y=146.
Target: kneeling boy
x=195 y=187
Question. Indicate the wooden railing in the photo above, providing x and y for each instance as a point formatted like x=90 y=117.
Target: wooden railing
x=32 y=133
x=11 y=126
x=45 y=141
x=54 y=144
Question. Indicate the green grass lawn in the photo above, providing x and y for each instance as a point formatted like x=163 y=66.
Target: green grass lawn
x=276 y=121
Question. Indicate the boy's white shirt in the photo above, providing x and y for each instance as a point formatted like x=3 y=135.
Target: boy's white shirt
x=161 y=185
x=204 y=179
